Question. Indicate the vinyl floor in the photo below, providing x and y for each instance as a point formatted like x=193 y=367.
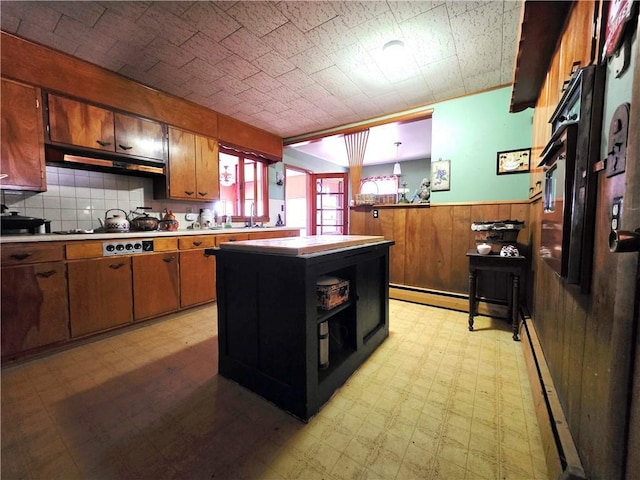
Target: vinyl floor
x=435 y=401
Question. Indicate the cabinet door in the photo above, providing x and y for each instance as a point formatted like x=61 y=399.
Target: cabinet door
x=34 y=306
x=139 y=136
x=197 y=277
x=207 y=183
x=80 y=124
x=156 y=284
x=100 y=294
x=22 y=146
x=182 y=166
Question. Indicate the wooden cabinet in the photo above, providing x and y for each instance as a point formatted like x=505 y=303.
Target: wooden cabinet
x=156 y=284
x=22 y=146
x=100 y=294
x=193 y=166
x=197 y=270
x=34 y=298
x=80 y=124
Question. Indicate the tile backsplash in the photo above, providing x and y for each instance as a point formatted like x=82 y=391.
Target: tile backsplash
x=76 y=199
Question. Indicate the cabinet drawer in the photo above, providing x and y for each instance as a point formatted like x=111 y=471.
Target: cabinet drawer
x=231 y=237
x=81 y=249
x=22 y=253
x=197 y=241
x=165 y=244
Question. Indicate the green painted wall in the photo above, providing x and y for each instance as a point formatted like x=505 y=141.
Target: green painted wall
x=470 y=131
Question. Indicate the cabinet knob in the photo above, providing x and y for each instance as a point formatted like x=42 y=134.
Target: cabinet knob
x=116 y=266
x=102 y=143
x=124 y=147
x=46 y=274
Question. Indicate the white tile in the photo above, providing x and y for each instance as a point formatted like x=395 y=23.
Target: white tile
x=274 y=64
x=70 y=224
x=67 y=191
x=66 y=179
x=34 y=201
x=123 y=195
x=83 y=192
x=214 y=22
x=288 y=40
x=68 y=202
x=259 y=17
x=82 y=181
x=245 y=44
x=307 y=15
x=56 y=226
x=34 y=212
x=83 y=204
x=52 y=190
x=52 y=214
x=51 y=202
x=99 y=205
x=68 y=214
x=52 y=176
x=96 y=182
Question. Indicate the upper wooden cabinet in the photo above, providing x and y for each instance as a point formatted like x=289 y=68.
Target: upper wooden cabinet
x=193 y=166
x=84 y=125
x=22 y=146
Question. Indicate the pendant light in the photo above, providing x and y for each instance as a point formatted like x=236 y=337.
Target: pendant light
x=396 y=167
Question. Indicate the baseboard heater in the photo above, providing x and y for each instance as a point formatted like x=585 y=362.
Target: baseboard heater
x=563 y=461
x=449 y=300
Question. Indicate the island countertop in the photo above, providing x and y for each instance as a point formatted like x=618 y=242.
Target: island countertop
x=301 y=245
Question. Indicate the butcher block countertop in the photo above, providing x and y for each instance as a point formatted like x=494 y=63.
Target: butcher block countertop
x=301 y=245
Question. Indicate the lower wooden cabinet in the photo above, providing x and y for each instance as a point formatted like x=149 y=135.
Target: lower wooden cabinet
x=156 y=284
x=34 y=306
x=197 y=277
x=100 y=294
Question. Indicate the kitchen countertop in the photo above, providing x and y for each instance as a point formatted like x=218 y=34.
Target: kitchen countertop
x=54 y=237
x=301 y=245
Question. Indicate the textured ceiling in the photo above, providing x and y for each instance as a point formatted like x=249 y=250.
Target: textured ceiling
x=287 y=67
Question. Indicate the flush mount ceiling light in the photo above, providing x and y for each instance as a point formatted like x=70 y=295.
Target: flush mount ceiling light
x=393 y=46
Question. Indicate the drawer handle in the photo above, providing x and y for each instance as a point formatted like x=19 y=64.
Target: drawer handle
x=197 y=244
x=202 y=194
x=124 y=147
x=168 y=259
x=20 y=256
x=102 y=143
x=46 y=274
x=188 y=193
x=116 y=266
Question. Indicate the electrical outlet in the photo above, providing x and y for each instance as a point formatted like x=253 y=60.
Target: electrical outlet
x=616 y=213
x=375 y=213
x=189 y=210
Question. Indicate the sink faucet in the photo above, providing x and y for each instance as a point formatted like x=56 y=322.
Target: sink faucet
x=252 y=215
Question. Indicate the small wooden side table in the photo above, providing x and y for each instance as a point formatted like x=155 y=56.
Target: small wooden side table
x=515 y=266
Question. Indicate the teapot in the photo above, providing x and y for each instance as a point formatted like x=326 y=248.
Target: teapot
x=143 y=221
x=115 y=223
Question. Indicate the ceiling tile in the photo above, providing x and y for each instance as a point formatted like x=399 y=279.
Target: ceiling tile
x=285 y=94
x=314 y=93
x=486 y=19
x=307 y=15
x=36 y=33
x=332 y=35
x=95 y=54
x=163 y=72
x=482 y=81
x=273 y=64
x=9 y=23
x=263 y=82
x=38 y=14
x=133 y=56
x=118 y=27
x=288 y=40
x=480 y=54
x=354 y=13
x=296 y=79
x=259 y=17
x=457 y=7
x=129 y=10
x=311 y=61
x=230 y=85
x=163 y=23
x=73 y=30
x=237 y=66
x=245 y=44
x=443 y=75
x=86 y=13
x=249 y=108
x=404 y=10
x=168 y=53
x=335 y=81
x=202 y=70
x=209 y=19
x=202 y=46
x=375 y=33
x=253 y=95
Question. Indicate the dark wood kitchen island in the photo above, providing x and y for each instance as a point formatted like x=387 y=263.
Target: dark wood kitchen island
x=269 y=318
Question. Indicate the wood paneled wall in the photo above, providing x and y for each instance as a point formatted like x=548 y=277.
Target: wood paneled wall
x=431 y=243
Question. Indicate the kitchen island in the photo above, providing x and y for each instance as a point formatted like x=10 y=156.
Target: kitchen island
x=269 y=320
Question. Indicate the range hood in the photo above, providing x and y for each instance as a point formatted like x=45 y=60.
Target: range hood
x=120 y=164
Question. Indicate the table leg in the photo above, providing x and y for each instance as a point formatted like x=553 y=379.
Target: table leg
x=472 y=297
x=515 y=307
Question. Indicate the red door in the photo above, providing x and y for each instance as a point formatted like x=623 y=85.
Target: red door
x=329 y=203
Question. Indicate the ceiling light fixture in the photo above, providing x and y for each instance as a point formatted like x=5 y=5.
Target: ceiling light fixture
x=393 y=46
x=226 y=177
x=396 y=167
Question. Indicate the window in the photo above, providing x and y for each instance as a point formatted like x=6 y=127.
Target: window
x=243 y=186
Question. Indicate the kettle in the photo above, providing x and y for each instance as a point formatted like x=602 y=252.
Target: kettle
x=143 y=221
x=115 y=223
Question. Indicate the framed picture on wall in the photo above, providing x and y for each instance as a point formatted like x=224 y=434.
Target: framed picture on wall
x=513 y=161
x=440 y=175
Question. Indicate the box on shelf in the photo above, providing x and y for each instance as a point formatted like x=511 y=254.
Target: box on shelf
x=331 y=291
x=365 y=198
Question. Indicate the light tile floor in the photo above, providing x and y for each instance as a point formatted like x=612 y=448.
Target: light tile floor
x=433 y=402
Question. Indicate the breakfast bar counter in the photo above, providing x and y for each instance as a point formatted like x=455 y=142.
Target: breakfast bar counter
x=270 y=323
